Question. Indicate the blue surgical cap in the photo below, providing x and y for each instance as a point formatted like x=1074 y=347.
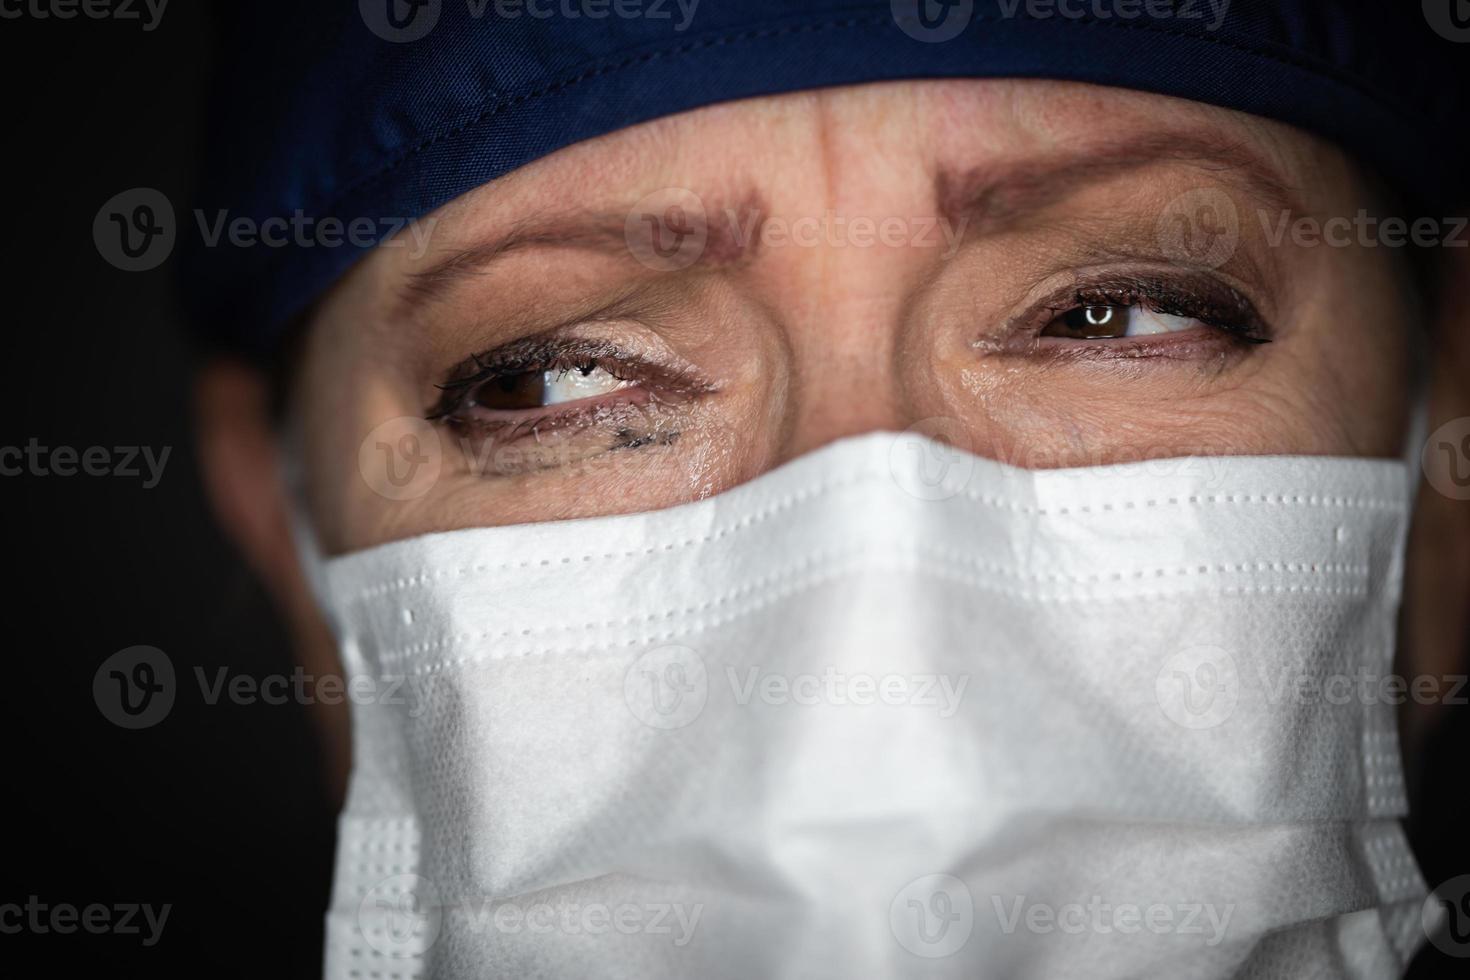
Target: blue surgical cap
x=379 y=111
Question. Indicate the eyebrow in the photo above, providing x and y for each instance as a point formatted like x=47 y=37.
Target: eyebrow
x=993 y=196
x=603 y=232
x=985 y=198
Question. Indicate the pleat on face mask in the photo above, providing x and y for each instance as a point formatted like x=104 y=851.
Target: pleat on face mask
x=890 y=710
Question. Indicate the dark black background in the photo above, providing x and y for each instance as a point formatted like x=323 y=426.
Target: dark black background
x=219 y=810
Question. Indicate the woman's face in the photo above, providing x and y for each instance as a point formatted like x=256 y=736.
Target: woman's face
x=1048 y=274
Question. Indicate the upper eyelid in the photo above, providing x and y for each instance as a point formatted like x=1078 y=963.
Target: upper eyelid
x=462 y=389
x=543 y=350
x=525 y=353
x=1140 y=286
x=633 y=307
x=1216 y=293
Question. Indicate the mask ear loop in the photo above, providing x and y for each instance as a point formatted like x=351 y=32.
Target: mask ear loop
x=303 y=533
x=1418 y=427
x=1415 y=433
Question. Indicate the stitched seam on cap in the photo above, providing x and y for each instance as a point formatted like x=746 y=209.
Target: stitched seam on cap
x=1325 y=69
x=586 y=74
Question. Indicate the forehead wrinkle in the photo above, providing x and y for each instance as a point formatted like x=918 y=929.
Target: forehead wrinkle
x=732 y=239
x=589 y=230
x=994 y=196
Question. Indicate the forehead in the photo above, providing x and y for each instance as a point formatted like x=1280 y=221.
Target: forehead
x=946 y=121
x=938 y=144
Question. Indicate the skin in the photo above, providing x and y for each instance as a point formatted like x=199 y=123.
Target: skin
x=770 y=345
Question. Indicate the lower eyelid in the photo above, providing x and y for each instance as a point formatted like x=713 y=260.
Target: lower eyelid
x=1190 y=345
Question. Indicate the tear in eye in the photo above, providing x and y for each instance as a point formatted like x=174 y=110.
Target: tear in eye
x=1111 y=321
x=538 y=389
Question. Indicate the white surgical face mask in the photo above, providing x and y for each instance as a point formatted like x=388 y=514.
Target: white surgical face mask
x=890 y=710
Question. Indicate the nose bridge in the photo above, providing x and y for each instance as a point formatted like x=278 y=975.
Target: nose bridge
x=843 y=381
x=845 y=282
x=844 y=326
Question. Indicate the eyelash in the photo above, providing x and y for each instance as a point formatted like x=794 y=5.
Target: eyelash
x=538 y=355
x=1214 y=304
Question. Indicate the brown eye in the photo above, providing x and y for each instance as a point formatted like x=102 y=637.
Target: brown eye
x=511 y=392
x=1093 y=322
x=1114 y=321
x=538 y=389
